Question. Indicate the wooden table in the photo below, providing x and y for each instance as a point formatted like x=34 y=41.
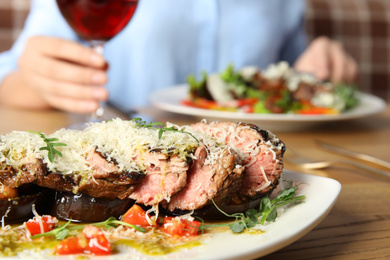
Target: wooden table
x=358 y=227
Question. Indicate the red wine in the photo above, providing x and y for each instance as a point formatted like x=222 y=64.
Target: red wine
x=97 y=19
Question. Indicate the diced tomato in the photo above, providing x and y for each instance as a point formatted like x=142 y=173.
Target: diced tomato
x=191 y=227
x=173 y=226
x=91 y=241
x=40 y=224
x=136 y=216
x=180 y=227
x=189 y=103
x=248 y=109
x=97 y=241
x=317 y=111
x=69 y=246
x=231 y=105
x=202 y=103
x=246 y=102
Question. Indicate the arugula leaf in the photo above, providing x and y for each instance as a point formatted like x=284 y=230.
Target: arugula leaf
x=50 y=144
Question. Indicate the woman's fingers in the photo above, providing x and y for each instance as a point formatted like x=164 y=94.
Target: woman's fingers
x=67 y=75
x=66 y=50
x=68 y=96
x=344 y=67
x=63 y=60
x=327 y=60
x=70 y=72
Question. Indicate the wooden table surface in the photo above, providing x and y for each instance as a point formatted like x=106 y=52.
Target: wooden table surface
x=358 y=227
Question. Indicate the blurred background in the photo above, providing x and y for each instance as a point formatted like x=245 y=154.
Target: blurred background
x=363 y=26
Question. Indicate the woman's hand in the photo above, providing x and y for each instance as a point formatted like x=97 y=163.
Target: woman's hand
x=327 y=60
x=59 y=73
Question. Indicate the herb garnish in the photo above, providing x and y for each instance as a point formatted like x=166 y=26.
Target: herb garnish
x=267 y=211
x=62 y=231
x=50 y=144
x=161 y=127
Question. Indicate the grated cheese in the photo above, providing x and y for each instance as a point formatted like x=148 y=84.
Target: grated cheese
x=267 y=181
x=117 y=140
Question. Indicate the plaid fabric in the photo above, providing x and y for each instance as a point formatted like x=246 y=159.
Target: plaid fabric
x=13 y=13
x=363 y=26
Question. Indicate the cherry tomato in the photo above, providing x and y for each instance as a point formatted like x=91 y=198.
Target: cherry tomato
x=97 y=241
x=40 y=224
x=180 y=227
x=136 y=216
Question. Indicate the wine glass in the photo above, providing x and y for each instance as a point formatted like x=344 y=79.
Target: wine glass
x=97 y=21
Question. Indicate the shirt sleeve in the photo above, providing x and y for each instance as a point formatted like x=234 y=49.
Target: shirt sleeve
x=295 y=40
x=44 y=19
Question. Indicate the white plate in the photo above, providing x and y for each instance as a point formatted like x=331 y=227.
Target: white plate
x=170 y=100
x=321 y=194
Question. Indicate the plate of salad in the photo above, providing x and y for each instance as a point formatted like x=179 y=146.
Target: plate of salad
x=246 y=236
x=278 y=98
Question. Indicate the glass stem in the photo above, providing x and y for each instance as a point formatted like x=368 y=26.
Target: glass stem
x=98 y=47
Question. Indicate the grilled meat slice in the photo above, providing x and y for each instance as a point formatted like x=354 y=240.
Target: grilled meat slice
x=14 y=177
x=218 y=181
x=260 y=150
x=165 y=176
x=105 y=182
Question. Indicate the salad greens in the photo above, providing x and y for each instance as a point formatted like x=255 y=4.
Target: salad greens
x=267 y=211
x=279 y=89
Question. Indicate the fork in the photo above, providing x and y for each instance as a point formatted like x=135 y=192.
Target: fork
x=298 y=159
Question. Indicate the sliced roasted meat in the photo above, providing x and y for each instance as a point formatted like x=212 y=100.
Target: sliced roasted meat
x=218 y=181
x=165 y=175
x=260 y=151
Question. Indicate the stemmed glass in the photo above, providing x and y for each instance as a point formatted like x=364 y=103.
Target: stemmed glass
x=97 y=21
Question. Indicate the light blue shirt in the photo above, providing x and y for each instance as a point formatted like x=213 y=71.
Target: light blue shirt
x=168 y=40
